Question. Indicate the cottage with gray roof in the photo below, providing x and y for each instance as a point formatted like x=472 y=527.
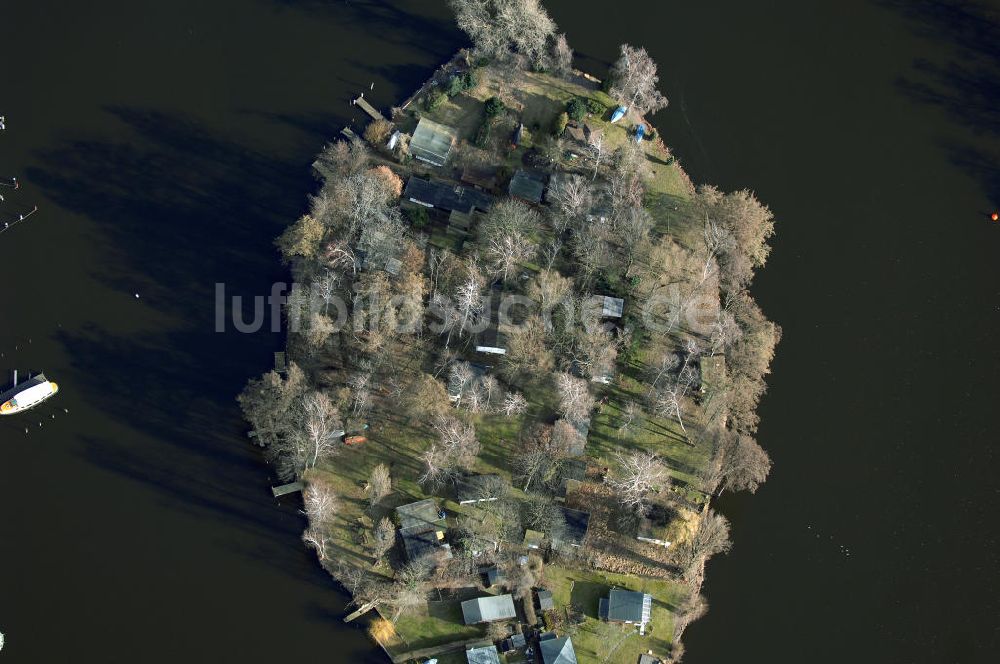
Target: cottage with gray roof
x=626 y=606
x=482 y=655
x=432 y=142
x=527 y=186
x=557 y=651
x=488 y=609
x=422 y=527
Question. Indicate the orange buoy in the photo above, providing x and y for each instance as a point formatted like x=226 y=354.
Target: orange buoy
x=995 y=216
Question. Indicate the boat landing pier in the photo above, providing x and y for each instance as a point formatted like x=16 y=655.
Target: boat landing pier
x=367 y=108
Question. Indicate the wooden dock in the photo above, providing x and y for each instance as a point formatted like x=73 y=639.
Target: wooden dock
x=349 y=134
x=367 y=108
x=360 y=612
x=286 y=489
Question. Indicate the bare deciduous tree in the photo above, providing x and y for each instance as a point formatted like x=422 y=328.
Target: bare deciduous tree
x=469 y=301
x=301 y=238
x=323 y=428
x=573 y=196
x=638 y=474
x=527 y=351
x=595 y=149
x=575 y=399
x=709 y=538
x=500 y=28
x=321 y=505
x=634 y=80
x=379 y=484
x=745 y=465
x=506 y=251
x=383 y=538
x=455 y=450
x=737 y=228
x=514 y=404
x=561 y=61
x=627 y=420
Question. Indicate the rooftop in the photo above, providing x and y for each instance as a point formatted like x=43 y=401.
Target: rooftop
x=422 y=528
x=432 y=142
x=421 y=513
x=482 y=655
x=557 y=651
x=545 y=601
x=435 y=193
x=608 y=306
x=533 y=539
x=626 y=606
x=488 y=609
x=527 y=186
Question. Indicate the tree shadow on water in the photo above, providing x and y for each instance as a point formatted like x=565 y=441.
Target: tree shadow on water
x=177 y=208
x=962 y=78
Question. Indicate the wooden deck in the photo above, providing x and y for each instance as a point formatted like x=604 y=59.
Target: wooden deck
x=286 y=489
x=367 y=108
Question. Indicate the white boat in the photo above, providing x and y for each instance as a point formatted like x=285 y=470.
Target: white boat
x=26 y=395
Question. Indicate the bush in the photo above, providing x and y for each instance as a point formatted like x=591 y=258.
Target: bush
x=459 y=83
x=494 y=107
x=469 y=80
x=377 y=132
x=596 y=108
x=559 y=124
x=455 y=86
x=483 y=135
x=576 y=108
x=434 y=99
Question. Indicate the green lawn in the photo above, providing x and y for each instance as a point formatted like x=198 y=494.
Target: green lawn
x=583 y=589
x=441 y=623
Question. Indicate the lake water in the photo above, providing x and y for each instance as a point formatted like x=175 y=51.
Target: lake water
x=167 y=144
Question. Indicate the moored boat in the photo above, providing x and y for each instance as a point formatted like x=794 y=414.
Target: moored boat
x=27 y=395
x=618 y=114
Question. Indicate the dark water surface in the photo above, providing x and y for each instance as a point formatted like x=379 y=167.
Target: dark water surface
x=168 y=143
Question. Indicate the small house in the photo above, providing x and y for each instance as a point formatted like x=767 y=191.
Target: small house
x=545 y=601
x=482 y=654
x=533 y=539
x=488 y=609
x=626 y=606
x=556 y=650
x=513 y=642
x=492 y=576
x=527 y=186
x=572 y=473
x=606 y=306
x=422 y=528
x=491 y=340
x=445 y=196
x=432 y=142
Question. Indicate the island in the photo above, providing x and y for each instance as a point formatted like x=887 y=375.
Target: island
x=522 y=358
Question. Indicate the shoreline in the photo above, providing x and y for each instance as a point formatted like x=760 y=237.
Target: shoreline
x=694 y=577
